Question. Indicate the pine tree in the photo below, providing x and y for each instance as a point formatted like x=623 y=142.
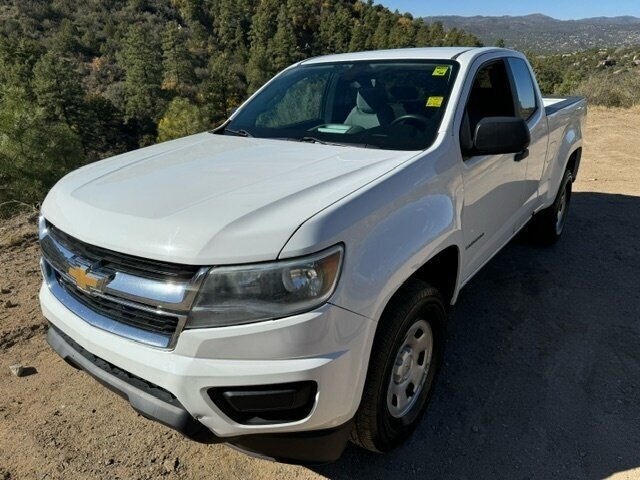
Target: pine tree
x=263 y=28
x=403 y=33
x=437 y=34
x=231 y=24
x=305 y=16
x=456 y=37
x=17 y=61
x=224 y=87
x=57 y=88
x=358 y=40
x=370 y=23
x=259 y=68
x=177 y=62
x=66 y=40
x=335 y=29
x=191 y=11
x=142 y=63
x=283 y=46
x=380 y=38
x=423 y=34
x=102 y=130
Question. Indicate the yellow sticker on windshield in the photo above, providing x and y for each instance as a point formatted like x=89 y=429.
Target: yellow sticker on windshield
x=435 y=102
x=440 y=71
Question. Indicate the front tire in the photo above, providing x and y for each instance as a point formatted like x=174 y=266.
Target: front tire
x=405 y=360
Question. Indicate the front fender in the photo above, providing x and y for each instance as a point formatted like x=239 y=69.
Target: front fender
x=390 y=228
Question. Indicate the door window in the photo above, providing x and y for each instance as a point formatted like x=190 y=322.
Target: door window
x=490 y=96
x=525 y=91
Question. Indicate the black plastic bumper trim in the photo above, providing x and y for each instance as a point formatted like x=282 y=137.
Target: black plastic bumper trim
x=306 y=448
x=147 y=402
x=266 y=404
x=315 y=447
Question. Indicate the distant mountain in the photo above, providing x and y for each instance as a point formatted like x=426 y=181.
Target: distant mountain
x=614 y=20
x=543 y=34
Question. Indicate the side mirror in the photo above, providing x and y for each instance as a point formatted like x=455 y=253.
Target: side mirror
x=501 y=135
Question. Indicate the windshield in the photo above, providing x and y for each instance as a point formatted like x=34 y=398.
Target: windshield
x=396 y=105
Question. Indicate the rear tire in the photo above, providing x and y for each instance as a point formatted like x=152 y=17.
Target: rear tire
x=405 y=360
x=547 y=225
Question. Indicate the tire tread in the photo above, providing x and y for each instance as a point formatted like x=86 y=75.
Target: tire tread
x=365 y=432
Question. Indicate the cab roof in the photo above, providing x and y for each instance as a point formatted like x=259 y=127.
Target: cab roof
x=428 y=53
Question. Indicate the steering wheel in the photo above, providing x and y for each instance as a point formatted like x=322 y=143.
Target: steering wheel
x=411 y=117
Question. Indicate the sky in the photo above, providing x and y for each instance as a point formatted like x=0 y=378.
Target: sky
x=561 y=9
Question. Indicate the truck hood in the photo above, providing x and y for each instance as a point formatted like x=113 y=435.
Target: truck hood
x=209 y=199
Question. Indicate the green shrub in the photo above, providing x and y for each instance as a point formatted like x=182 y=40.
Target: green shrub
x=621 y=90
x=181 y=118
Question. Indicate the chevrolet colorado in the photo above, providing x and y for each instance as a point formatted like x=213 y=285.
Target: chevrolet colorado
x=282 y=282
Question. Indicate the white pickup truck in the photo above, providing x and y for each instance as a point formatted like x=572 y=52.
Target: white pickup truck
x=282 y=283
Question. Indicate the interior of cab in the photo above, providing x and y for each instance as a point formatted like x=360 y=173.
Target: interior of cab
x=372 y=108
x=383 y=104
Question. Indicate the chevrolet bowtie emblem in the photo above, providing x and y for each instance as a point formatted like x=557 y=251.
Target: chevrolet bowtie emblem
x=85 y=279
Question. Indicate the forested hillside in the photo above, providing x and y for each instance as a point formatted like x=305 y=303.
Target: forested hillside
x=83 y=80
x=608 y=77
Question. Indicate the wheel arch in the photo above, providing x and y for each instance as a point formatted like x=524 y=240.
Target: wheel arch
x=573 y=163
x=442 y=271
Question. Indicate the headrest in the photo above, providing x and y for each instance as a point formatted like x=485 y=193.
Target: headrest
x=404 y=93
x=371 y=99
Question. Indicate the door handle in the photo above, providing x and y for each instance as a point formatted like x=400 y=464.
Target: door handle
x=521 y=156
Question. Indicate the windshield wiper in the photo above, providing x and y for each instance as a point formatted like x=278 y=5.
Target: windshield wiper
x=239 y=133
x=323 y=142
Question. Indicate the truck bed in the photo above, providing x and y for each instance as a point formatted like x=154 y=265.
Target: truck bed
x=553 y=105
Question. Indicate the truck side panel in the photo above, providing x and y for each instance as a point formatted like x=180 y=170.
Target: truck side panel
x=565 y=137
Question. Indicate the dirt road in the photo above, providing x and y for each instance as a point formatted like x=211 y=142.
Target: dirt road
x=542 y=374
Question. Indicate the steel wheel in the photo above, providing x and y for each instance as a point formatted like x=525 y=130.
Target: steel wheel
x=410 y=370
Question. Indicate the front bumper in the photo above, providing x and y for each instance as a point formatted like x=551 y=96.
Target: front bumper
x=329 y=346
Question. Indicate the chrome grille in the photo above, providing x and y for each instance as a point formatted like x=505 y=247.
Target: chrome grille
x=138 y=266
x=145 y=300
x=162 y=324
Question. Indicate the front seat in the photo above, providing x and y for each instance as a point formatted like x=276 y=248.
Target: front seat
x=407 y=100
x=371 y=109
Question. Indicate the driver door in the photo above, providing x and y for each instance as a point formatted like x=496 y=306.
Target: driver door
x=494 y=185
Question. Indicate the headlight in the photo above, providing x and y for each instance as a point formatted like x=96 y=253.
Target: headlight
x=250 y=293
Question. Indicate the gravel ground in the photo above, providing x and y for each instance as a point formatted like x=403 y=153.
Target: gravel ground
x=541 y=376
